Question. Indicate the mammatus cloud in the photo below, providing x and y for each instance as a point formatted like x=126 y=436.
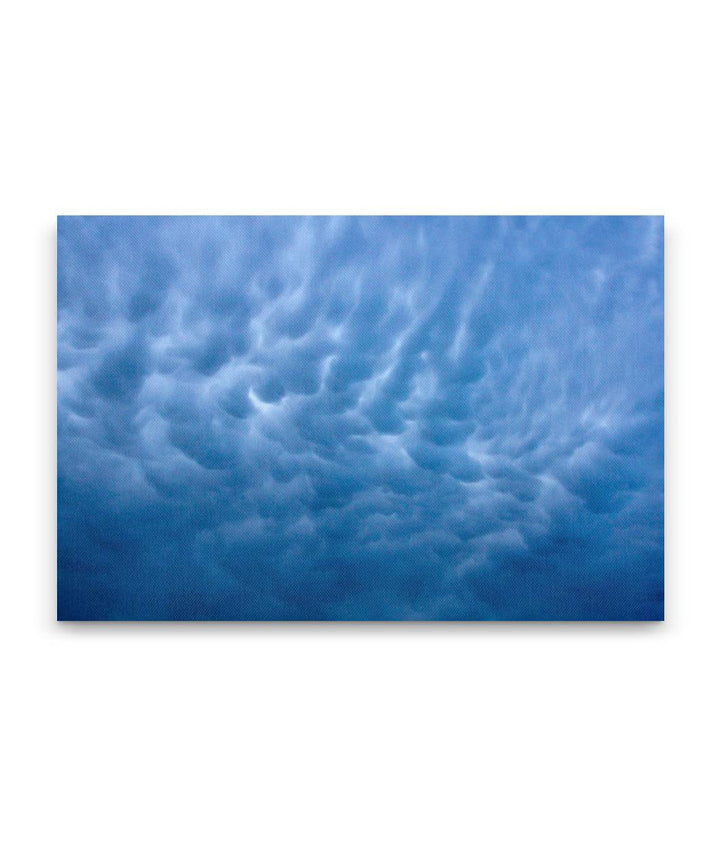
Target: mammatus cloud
x=354 y=418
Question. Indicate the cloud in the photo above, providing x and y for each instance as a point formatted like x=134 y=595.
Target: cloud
x=352 y=418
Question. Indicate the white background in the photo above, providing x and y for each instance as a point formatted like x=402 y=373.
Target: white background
x=590 y=739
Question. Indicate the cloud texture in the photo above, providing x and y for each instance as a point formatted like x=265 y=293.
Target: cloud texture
x=360 y=418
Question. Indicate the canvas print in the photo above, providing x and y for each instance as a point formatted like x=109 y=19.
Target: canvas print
x=360 y=418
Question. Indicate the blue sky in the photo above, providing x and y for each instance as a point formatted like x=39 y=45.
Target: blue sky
x=360 y=418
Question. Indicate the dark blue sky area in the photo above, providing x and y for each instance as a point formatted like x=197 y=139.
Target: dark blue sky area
x=360 y=418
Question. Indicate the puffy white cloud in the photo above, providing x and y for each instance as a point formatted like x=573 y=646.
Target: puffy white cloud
x=360 y=417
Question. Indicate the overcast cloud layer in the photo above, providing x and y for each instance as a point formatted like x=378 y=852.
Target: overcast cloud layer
x=360 y=418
